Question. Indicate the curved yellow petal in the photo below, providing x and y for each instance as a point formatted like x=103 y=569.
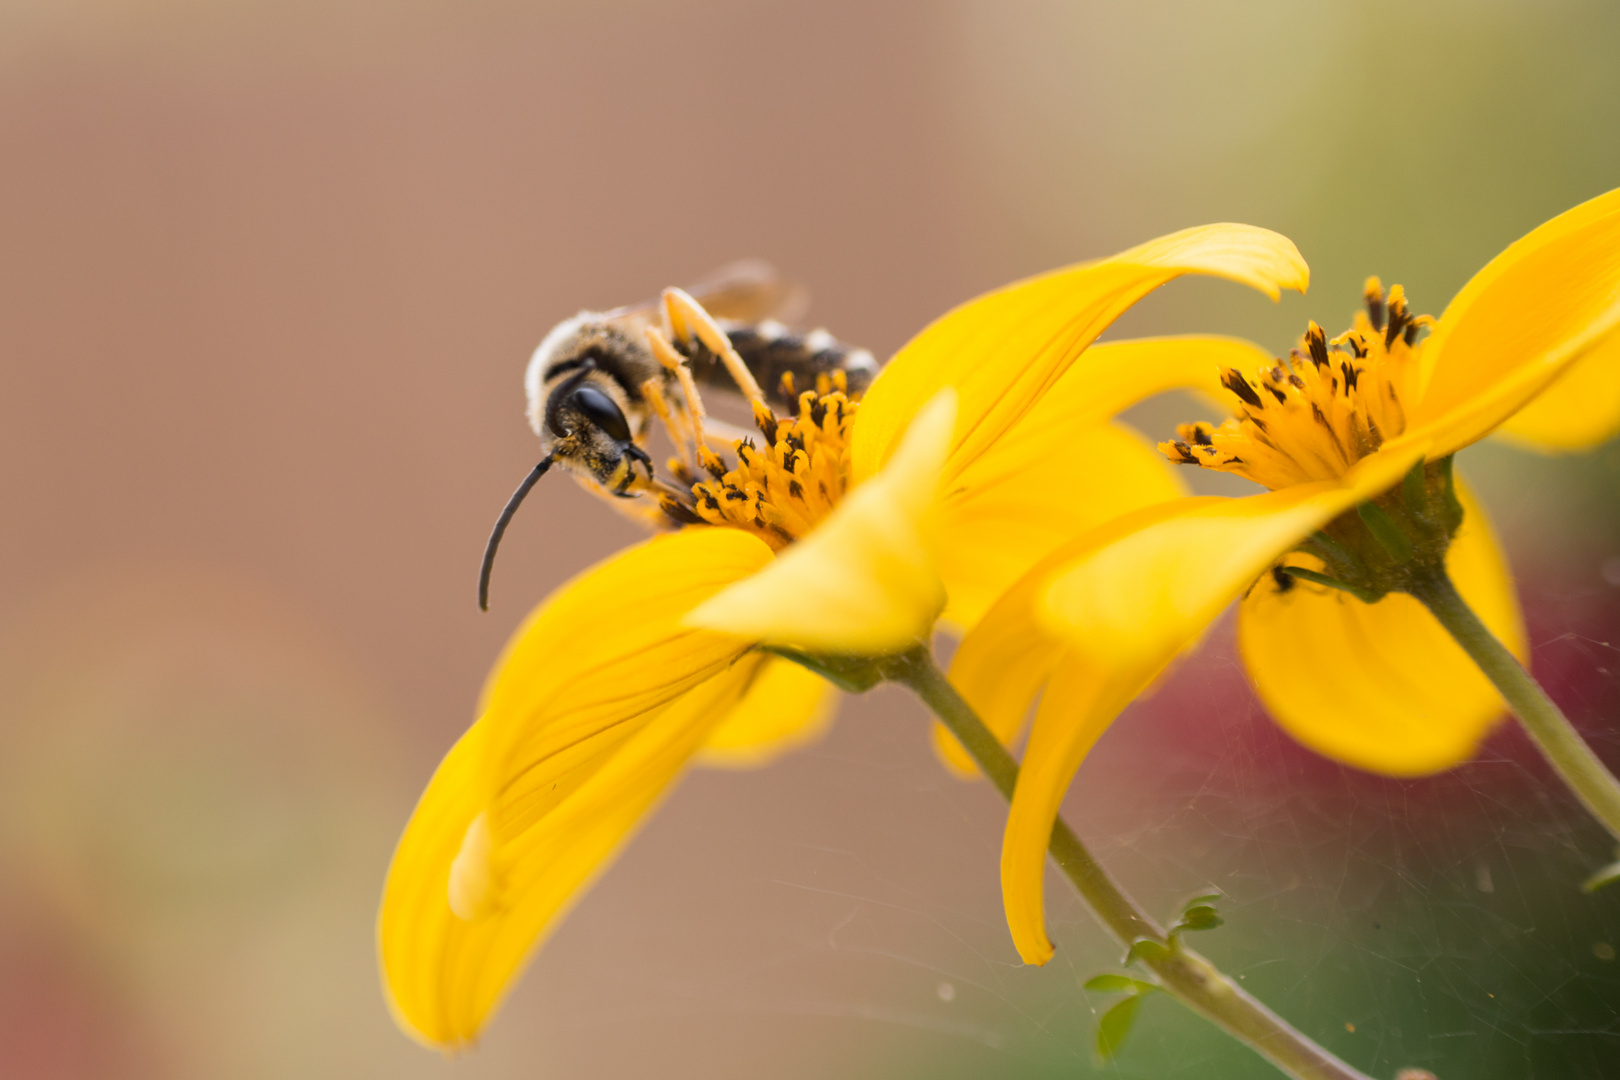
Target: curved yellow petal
x=596 y=658
x=1004 y=350
x=1064 y=468
x=1578 y=411
x=1000 y=666
x=1382 y=686
x=1047 y=481
x=1124 y=600
x=785 y=707
x=1533 y=310
x=866 y=580
x=463 y=911
x=1147 y=584
x=1079 y=703
x=1112 y=376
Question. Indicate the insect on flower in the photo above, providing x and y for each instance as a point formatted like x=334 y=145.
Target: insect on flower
x=597 y=380
x=847 y=525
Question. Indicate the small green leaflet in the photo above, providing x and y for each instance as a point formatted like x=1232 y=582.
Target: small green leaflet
x=1115 y=1025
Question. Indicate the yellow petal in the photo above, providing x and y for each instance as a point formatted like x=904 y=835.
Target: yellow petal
x=785 y=707
x=1114 y=375
x=866 y=580
x=583 y=693
x=1382 y=686
x=1079 y=703
x=1148 y=583
x=1007 y=348
x=462 y=913
x=1578 y=411
x=1063 y=468
x=1046 y=482
x=1001 y=665
x=1534 y=309
x=1125 y=599
x=595 y=659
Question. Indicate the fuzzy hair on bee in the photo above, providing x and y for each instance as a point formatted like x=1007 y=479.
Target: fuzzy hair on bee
x=595 y=382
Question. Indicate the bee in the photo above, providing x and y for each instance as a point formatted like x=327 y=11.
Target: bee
x=595 y=381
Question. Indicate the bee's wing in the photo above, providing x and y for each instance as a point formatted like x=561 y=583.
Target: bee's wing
x=749 y=290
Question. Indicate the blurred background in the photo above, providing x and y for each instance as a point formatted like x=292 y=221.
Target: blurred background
x=269 y=275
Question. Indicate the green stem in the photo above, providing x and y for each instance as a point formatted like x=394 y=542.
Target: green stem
x=1551 y=730
x=1184 y=973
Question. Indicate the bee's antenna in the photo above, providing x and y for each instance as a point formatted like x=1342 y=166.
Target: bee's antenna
x=501 y=523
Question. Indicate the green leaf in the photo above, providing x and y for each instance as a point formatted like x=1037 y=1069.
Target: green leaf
x=1200 y=917
x=1109 y=983
x=1606 y=876
x=1115 y=1025
x=1203 y=899
x=1146 y=949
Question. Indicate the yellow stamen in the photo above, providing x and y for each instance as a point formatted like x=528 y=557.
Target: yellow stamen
x=1315 y=414
x=782 y=491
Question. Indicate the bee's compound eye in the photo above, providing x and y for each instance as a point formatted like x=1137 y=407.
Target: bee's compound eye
x=600 y=410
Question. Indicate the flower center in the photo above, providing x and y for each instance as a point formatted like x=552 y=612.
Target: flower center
x=781 y=489
x=1317 y=413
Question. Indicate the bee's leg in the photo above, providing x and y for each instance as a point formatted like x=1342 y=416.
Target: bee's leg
x=635 y=454
x=688 y=319
x=676 y=364
x=653 y=391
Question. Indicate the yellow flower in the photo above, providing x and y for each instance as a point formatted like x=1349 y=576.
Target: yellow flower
x=1354 y=438
x=849 y=533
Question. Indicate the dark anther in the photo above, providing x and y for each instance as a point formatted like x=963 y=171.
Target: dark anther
x=735 y=494
x=1281 y=397
x=678 y=513
x=1410 y=336
x=1316 y=341
x=1375 y=309
x=767 y=427
x=1299 y=383
x=818 y=412
x=1233 y=460
x=795 y=490
x=1358 y=346
x=1318 y=416
x=1399 y=319
x=715 y=468
x=1235 y=382
x=710 y=501
x=1350 y=377
x=1186 y=453
x=1202 y=436
x=1283 y=578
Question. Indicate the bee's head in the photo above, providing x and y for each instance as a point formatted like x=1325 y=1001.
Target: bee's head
x=584 y=427
x=581 y=411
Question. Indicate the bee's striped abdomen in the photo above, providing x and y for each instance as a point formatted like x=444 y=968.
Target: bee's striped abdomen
x=771 y=350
